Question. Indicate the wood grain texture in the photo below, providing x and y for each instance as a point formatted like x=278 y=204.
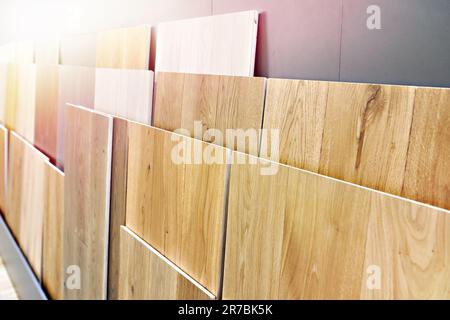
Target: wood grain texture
x=299 y=235
x=119 y=175
x=219 y=102
x=124 y=93
x=79 y=50
x=53 y=228
x=125 y=48
x=26 y=198
x=76 y=86
x=21 y=98
x=177 y=208
x=46 y=113
x=427 y=177
x=3 y=168
x=221 y=44
x=46 y=51
x=88 y=139
x=146 y=274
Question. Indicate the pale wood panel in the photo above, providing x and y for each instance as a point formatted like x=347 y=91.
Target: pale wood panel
x=76 y=86
x=3 y=167
x=146 y=274
x=46 y=113
x=3 y=91
x=119 y=170
x=221 y=44
x=427 y=176
x=24 y=52
x=26 y=197
x=79 y=50
x=299 y=235
x=177 y=208
x=218 y=102
x=124 y=93
x=125 y=48
x=47 y=51
x=53 y=228
x=88 y=139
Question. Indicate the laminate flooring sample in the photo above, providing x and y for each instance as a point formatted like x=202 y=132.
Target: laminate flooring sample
x=46 y=113
x=124 y=93
x=218 y=102
x=176 y=207
x=124 y=48
x=3 y=168
x=26 y=198
x=77 y=87
x=79 y=50
x=53 y=231
x=146 y=274
x=299 y=235
x=221 y=44
x=427 y=176
x=88 y=139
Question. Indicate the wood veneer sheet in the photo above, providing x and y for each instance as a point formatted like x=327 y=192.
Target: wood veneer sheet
x=220 y=44
x=3 y=91
x=125 y=48
x=88 y=140
x=177 y=207
x=300 y=235
x=3 y=167
x=214 y=102
x=125 y=93
x=146 y=274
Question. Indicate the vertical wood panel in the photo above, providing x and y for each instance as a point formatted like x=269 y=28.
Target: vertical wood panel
x=3 y=168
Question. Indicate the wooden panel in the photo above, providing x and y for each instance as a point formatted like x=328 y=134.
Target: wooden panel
x=132 y=93
x=52 y=250
x=3 y=167
x=146 y=274
x=221 y=44
x=88 y=139
x=76 y=86
x=177 y=208
x=119 y=170
x=298 y=235
x=26 y=197
x=78 y=50
x=427 y=175
x=21 y=97
x=125 y=48
x=3 y=90
x=220 y=102
x=46 y=116
x=47 y=52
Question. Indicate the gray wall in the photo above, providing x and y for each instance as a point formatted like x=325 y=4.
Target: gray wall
x=302 y=39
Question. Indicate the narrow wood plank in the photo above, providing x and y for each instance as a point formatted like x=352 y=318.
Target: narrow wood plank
x=79 y=50
x=26 y=198
x=3 y=168
x=46 y=113
x=76 y=86
x=119 y=170
x=218 y=102
x=125 y=48
x=146 y=274
x=221 y=44
x=299 y=235
x=125 y=93
x=427 y=175
x=3 y=91
x=47 y=51
x=88 y=139
x=177 y=208
x=53 y=228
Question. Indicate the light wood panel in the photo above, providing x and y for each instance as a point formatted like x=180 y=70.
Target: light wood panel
x=46 y=114
x=125 y=48
x=88 y=139
x=146 y=274
x=47 y=51
x=177 y=208
x=219 y=102
x=3 y=168
x=299 y=235
x=79 y=50
x=125 y=93
x=76 y=86
x=221 y=44
x=427 y=175
x=3 y=91
x=53 y=228
x=26 y=197
x=24 y=52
